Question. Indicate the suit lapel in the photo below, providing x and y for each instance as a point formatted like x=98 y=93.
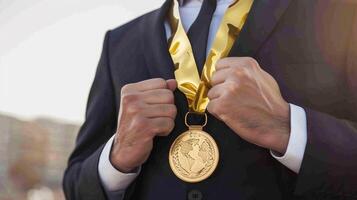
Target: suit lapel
x=262 y=18
x=155 y=45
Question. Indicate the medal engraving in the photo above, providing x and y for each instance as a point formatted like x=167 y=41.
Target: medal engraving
x=193 y=156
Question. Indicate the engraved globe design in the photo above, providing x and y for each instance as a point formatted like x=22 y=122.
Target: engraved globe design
x=193 y=156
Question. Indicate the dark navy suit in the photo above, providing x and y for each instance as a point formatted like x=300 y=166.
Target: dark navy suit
x=308 y=46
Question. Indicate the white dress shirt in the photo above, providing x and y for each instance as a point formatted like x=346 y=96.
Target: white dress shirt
x=115 y=182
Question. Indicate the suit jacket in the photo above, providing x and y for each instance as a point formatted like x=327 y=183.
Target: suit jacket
x=308 y=46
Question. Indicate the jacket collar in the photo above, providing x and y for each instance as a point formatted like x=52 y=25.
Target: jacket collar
x=156 y=49
x=263 y=17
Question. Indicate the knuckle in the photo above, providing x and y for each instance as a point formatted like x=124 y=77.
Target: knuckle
x=133 y=108
x=140 y=122
x=129 y=98
x=161 y=82
x=251 y=62
x=126 y=88
x=225 y=98
x=232 y=87
x=167 y=95
x=242 y=74
x=238 y=72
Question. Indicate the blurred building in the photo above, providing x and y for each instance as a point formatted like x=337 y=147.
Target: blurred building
x=33 y=154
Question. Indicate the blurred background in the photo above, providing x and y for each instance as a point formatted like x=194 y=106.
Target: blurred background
x=49 y=51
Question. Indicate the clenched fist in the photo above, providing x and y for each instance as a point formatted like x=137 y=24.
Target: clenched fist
x=147 y=110
x=249 y=101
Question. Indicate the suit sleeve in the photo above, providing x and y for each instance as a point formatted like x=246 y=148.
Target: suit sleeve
x=81 y=178
x=329 y=166
x=330 y=160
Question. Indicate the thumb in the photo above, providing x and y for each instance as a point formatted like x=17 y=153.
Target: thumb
x=171 y=84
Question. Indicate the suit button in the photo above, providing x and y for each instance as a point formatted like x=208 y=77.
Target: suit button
x=194 y=195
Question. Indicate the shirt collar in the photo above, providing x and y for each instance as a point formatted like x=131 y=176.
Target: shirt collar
x=183 y=2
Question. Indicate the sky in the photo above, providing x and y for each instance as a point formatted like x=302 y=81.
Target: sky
x=49 y=50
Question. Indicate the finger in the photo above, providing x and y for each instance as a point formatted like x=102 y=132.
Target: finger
x=236 y=62
x=160 y=110
x=150 y=84
x=225 y=63
x=158 y=96
x=212 y=107
x=162 y=126
x=220 y=76
x=216 y=91
x=171 y=84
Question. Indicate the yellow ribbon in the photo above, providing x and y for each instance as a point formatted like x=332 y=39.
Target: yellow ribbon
x=186 y=73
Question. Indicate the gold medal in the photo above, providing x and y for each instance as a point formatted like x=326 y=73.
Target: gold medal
x=194 y=154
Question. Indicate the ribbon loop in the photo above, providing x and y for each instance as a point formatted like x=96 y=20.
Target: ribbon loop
x=189 y=82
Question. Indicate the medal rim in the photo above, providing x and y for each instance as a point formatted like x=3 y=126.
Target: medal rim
x=209 y=173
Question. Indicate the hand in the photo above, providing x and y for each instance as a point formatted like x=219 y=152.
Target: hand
x=249 y=101
x=147 y=110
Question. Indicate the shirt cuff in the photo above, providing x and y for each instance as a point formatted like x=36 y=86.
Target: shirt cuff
x=294 y=154
x=112 y=179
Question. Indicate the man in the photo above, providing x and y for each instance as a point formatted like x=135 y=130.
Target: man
x=282 y=109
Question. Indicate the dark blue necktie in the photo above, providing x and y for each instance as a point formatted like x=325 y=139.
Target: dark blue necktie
x=199 y=30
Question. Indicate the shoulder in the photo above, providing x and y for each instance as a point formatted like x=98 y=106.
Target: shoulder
x=131 y=31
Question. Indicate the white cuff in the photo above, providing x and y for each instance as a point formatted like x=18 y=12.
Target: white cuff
x=112 y=179
x=297 y=142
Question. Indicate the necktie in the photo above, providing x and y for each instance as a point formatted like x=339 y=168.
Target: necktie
x=198 y=32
